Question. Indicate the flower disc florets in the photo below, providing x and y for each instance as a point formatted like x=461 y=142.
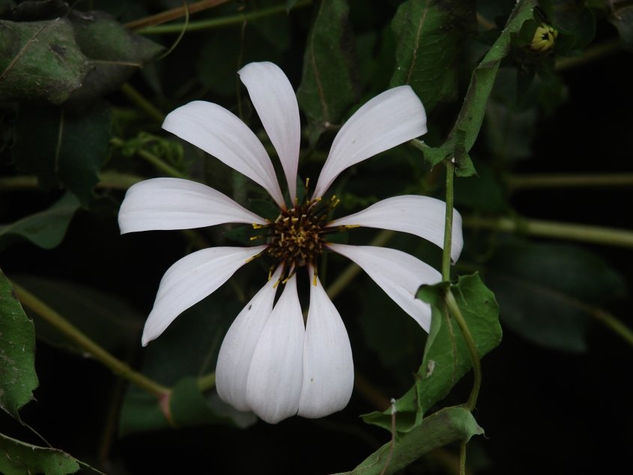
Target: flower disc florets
x=296 y=236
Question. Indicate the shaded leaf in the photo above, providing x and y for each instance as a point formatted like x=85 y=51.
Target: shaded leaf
x=574 y=21
x=39 y=61
x=17 y=353
x=62 y=146
x=327 y=89
x=45 y=229
x=545 y=290
x=20 y=458
x=446 y=357
x=448 y=425
x=104 y=318
x=483 y=192
x=466 y=129
x=429 y=44
x=113 y=52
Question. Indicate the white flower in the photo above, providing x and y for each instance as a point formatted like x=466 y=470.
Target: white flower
x=270 y=362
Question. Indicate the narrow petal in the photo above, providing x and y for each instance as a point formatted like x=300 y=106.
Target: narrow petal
x=173 y=203
x=328 y=368
x=387 y=120
x=397 y=273
x=420 y=215
x=191 y=279
x=275 y=376
x=220 y=133
x=274 y=99
x=236 y=352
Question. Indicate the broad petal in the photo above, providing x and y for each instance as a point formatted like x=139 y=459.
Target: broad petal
x=276 y=104
x=220 y=133
x=387 y=120
x=397 y=273
x=420 y=215
x=236 y=352
x=275 y=376
x=328 y=368
x=191 y=279
x=174 y=203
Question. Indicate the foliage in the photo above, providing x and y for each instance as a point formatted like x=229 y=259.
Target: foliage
x=83 y=89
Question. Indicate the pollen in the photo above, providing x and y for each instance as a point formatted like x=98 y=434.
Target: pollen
x=296 y=236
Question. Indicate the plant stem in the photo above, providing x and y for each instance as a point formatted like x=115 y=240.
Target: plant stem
x=613 y=323
x=352 y=270
x=517 y=182
x=448 y=222
x=590 y=54
x=85 y=343
x=23 y=182
x=151 y=158
x=111 y=179
x=456 y=313
x=173 y=14
x=222 y=21
x=146 y=106
x=571 y=231
x=206 y=382
x=462 y=458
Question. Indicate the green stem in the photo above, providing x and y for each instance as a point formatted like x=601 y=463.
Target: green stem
x=206 y=382
x=591 y=54
x=352 y=270
x=24 y=182
x=614 y=324
x=462 y=458
x=139 y=100
x=448 y=222
x=456 y=313
x=517 y=182
x=221 y=22
x=118 y=181
x=151 y=158
x=85 y=343
x=573 y=232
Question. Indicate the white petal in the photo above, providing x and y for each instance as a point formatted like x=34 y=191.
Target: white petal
x=420 y=215
x=328 y=368
x=236 y=352
x=191 y=279
x=387 y=120
x=275 y=376
x=220 y=133
x=173 y=203
x=276 y=104
x=397 y=273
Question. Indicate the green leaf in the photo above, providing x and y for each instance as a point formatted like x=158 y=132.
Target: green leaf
x=113 y=52
x=328 y=89
x=446 y=357
x=103 y=317
x=574 y=21
x=546 y=291
x=59 y=145
x=448 y=425
x=45 y=229
x=429 y=36
x=17 y=352
x=20 y=458
x=39 y=61
x=466 y=128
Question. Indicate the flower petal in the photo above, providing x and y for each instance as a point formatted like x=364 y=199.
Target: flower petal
x=274 y=99
x=328 y=368
x=220 y=133
x=191 y=279
x=387 y=120
x=274 y=378
x=397 y=273
x=174 y=203
x=420 y=215
x=236 y=352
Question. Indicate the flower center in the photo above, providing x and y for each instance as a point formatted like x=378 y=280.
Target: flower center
x=296 y=235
